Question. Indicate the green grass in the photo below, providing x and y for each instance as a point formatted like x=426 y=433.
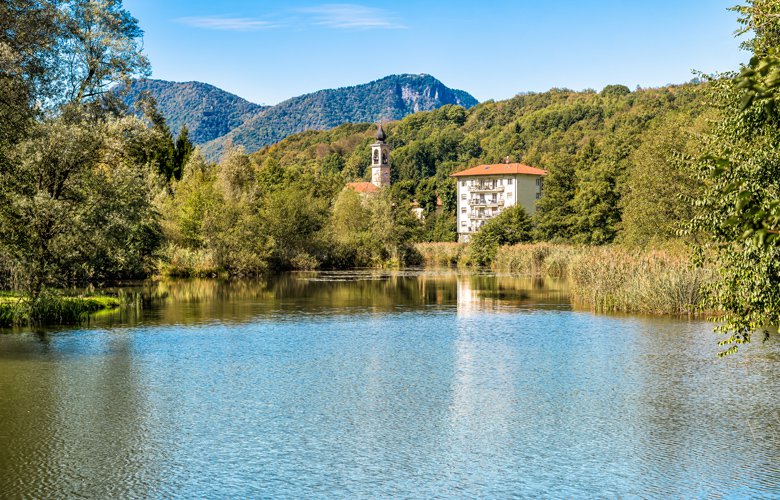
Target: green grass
x=51 y=308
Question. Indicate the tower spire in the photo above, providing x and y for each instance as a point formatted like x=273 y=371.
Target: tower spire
x=380 y=133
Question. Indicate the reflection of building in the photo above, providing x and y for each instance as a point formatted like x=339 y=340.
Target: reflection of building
x=484 y=191
x=467 y=297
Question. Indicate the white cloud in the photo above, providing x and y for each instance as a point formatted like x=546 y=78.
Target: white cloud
x=223 y=23
x=351 y=16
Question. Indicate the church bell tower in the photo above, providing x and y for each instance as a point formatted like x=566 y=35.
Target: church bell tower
x=380 y=160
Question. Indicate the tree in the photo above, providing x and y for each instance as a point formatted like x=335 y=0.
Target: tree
x=74 y=178
x=100 y=46
x=183 y=150
x=660 y=186
x=511 y=226
x=740 y=170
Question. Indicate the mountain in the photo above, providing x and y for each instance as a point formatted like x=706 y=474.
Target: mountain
x=208 y=112
x=390 y=98
x=216 y=118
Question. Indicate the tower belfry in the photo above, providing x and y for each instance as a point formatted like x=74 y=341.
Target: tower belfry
x=380 y=160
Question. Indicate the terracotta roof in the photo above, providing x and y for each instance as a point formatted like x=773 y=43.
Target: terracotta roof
x=363 y=187
x=501 y=169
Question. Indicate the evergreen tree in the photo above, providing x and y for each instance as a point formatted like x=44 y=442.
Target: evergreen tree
x=183 y=149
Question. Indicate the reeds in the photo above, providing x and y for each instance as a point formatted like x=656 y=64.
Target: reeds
x=181 y=262
x=440 y=254
x=603 y=279
x=537 y=259
x=50 y=308
x=615 y=279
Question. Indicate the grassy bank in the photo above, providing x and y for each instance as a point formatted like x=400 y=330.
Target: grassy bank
x=602 y=279
x=51 y=309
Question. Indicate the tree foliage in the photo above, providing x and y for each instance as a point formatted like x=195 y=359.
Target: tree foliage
x=740 y=169
x=511 y=226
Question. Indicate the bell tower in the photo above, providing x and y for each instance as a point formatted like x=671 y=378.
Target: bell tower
x=380 y=160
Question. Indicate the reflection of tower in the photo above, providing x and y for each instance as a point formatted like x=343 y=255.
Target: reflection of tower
x=380 y=160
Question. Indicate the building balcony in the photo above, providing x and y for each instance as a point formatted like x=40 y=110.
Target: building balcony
x=476 y=202
x=478 y=216
x=486 y=188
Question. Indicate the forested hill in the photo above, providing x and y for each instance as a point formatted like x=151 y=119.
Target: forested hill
x=208 y=112
x=390 y=98
x=613 y=157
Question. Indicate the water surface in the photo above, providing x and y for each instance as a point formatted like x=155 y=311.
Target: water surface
x=383 y=384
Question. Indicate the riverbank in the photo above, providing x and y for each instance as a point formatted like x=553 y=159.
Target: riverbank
x=51 y=309
x=602 y=279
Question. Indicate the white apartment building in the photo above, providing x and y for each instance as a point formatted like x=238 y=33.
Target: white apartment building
x=484 y=191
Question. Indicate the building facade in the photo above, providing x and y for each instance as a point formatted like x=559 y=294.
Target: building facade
x=484 y=191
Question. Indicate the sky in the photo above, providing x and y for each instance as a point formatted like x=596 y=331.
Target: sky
x=269 y=51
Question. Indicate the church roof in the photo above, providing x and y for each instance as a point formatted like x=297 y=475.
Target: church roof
x=380 y=133
x=363 y=187
x=500 y=169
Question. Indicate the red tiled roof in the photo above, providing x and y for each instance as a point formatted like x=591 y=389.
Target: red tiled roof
x=363 y=187
x=501 y=169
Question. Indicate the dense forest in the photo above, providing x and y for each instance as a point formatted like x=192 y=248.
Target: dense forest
x=92 y=190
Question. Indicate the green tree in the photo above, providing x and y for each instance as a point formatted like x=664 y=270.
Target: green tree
x=511 y=226
x=183 y=149
x=661 y=184
x=740 y=171
x=74 y=178
x=100 y=46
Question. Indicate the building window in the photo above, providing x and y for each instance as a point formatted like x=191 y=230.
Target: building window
x=509 y=182
x=538 y=181
x=463 y=223
x=463 y=183
x=463 y=196
x=538 y=195
x=463 y=210
x=509 y=195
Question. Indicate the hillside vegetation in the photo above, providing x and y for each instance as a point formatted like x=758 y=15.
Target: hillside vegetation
x=615 y=158
x=216 y=118
x=207 y=111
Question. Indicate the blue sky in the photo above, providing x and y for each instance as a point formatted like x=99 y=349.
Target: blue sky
x=268 y=51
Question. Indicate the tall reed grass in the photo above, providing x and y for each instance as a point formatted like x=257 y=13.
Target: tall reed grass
x=602 y=279
x=615 y=279
x=440 y=254
x=537 y=259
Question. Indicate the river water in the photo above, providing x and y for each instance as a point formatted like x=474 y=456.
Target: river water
x=403 y=384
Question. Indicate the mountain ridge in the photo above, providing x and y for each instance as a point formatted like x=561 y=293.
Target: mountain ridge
x=217 y=118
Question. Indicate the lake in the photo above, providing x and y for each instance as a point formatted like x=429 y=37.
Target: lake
x=383 y=384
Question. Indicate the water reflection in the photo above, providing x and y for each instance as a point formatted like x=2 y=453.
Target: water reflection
x=382 y=384
x=306 y=293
